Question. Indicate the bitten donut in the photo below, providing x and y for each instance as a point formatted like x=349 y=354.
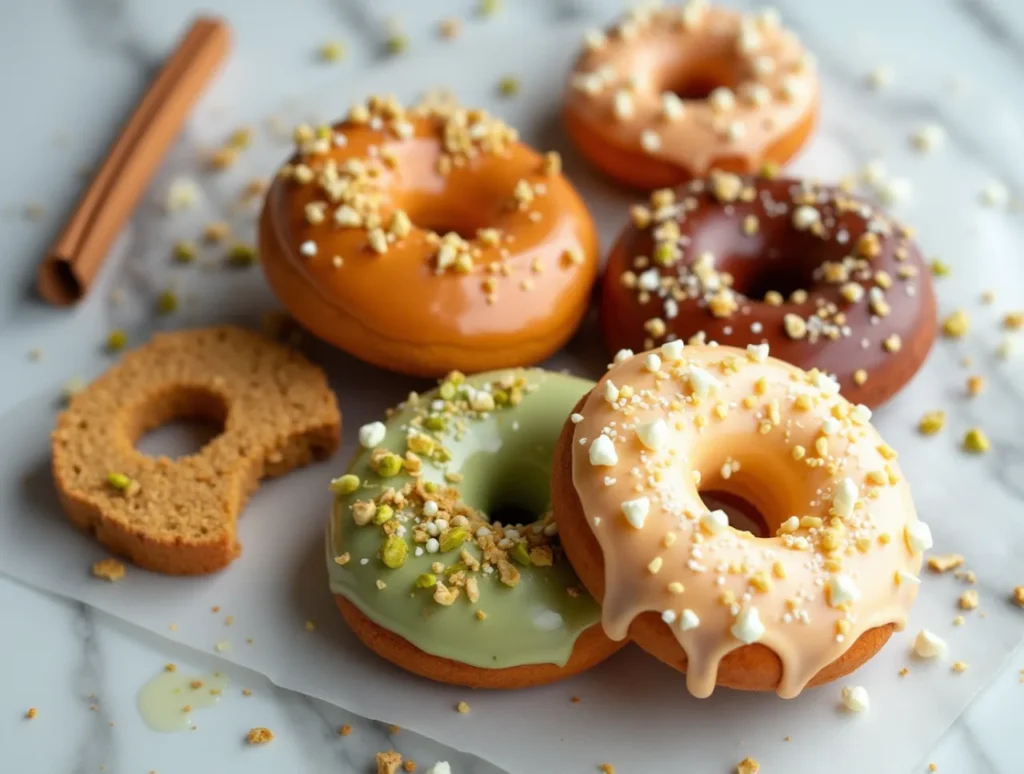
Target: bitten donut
x=178 y=515
x=428 y=240
x=442 y=552
x=809 y=603
x=670 y=93
x=823 y=276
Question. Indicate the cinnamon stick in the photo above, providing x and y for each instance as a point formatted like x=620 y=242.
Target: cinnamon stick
x=71 y=264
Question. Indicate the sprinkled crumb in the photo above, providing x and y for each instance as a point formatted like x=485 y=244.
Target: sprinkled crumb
x=1018 y=595
x=575 y=699
x=182 y=194
x=994 y=194
x=488 y=7
x=880 y=77
x=240 y=255
x=109 y=570
x=956 y=325
x=449 y=28
x=959 y=666
x=31 y=713
x=975 y=441
x=944 y=562
x=606 y=768
x=184 y=251
x=409 y=765
x=310 y=626
x=975 y=385
x=259 y=735
x=932 y=422
x=331 y=51
x=959 y=620
x=933 y=767
x=508 y=86
x=167 y=302
x=246 y=692
x=462 y=708
x=216 y=232
x=117 y=339
x=968 y=600
x=393 y=729
x=388 y=762
x=748 y=766
x=939 y=268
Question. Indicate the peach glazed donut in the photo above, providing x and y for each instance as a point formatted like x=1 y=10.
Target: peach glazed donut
x=804 y=606
x=827 y=279
x=442 y=552
x=671 y=93
x=428 y=240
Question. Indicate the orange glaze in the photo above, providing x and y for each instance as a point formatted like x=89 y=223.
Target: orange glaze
x=749 y=95
x=518 y=302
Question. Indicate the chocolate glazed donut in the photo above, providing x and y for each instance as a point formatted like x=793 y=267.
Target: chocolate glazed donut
x=825 y=277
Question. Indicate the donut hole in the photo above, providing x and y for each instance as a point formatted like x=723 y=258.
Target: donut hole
x=446 y=218
x=507 y=488
x=769 y=275
x=176 y=423
x=695 y=83
x=743 y=515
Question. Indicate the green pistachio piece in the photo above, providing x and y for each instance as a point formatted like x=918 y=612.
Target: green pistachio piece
x=447 y=391
x=430 y=487
x=453 y=537
x=457 y=378
x=389 y=465
x=521 y=554
x=384 y=513
x=394 y=552
x=500 y=398
x=426 y=581
x=421 y=444
x=119 y=481
x=454 y=568
x=435 y=423
x=345 y=485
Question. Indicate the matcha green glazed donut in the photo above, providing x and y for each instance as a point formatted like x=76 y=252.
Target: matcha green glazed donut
x=442 y=550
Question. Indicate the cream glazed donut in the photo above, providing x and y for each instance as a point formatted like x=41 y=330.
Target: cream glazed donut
x=805 y=605
x=670 y=93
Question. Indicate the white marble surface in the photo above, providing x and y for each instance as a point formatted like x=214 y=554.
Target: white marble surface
x=68 y=72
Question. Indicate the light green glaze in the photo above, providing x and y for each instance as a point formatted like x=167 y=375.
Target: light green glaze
x=168 y=701
x=505 y=459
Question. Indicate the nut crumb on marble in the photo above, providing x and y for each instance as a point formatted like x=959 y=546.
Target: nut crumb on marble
x=975 y=441
x=259 y=735
x=944 y=562
x=388 y=762
x=109 y=569
x=748 y=766
x=345 y=730
x=462 y=708
x=31 y=713
x=968 y=600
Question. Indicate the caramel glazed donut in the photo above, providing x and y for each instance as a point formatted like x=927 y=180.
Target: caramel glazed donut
x=669 y=94
x=823 y=276
x=428 y=240
x=803 y=607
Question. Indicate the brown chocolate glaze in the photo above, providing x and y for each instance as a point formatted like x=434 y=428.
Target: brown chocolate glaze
x=827 y=279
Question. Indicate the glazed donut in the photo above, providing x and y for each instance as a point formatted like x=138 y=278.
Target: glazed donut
x=668 y=94
x=808 y=604
x=442 y=552
x=824 y=277
x=428 y=240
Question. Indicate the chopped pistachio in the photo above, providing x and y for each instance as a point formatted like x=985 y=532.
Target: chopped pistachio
x=167 y=302
x=331 y=51
x=241 y=255
x=508 y=86
x=387 y=464
x=940 y=268
x=489 y=7
x=345 y=485
x=453 y=537
x=932 y=422
x=426 y=581
x=184 y=251
x=395 y=551
x=119 y=481
x=956 y=324
x=397 y=42
x=521 y=554
x=384 y=513
x=116 y=340
x=975 y=441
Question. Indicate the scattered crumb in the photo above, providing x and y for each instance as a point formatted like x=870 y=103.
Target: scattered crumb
x=903 y=672
x=31 y=713
x=409 y=766
x=222 y=646
x=71 y=388
x=1018 y=595
x=932 y=422
x=994 y=194
x=575 y=699
x=172 y=627
x=35 y=354
x=956 y=325
x=169 y=667
x=969 y=600
x=116 y=340
x=182 y=194
x=975 y=385
x=944 y=562
x=246 y=692
x=259 y=735
x=606 y=768
x=331 y=51
x=167 y=302
x=393 y=729
x=216 y=232
x=449 y=28
x=462 y=707
x=109 y=570
x=940 y=268
x=488 y=7
x=959 y=621
x=976 y=442
x=959 y=666
x=508 y=86
x=345 y=730
x=310 y=626
x=880 y=77
x=748 y=766
x=933 y=767
x=388 y=762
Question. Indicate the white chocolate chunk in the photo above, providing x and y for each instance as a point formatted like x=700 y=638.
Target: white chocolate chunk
x=928 y=645
x=845 y=498
x=652 y=363
x=855 y=698
x=703 y=383
x=672 y=107
x=654 y=434
x=902 y=576
x=623 y=355
x=842 y=589
x=827 y=384
x=673 y=350
x=918 y=536
x=861 y=414
x=372 y=434
x=602 y=452
x=636 y=511
x=576 y=418
x=748 y=627
x=669 y=616
x=757 y=352
x=611 y=392
x=805 y=216
x=716 y=522
x=688 y=620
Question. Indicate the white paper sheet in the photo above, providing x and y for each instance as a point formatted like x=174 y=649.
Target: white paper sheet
x=634 y=712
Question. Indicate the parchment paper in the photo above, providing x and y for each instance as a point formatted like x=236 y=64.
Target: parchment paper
x=633 y=712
